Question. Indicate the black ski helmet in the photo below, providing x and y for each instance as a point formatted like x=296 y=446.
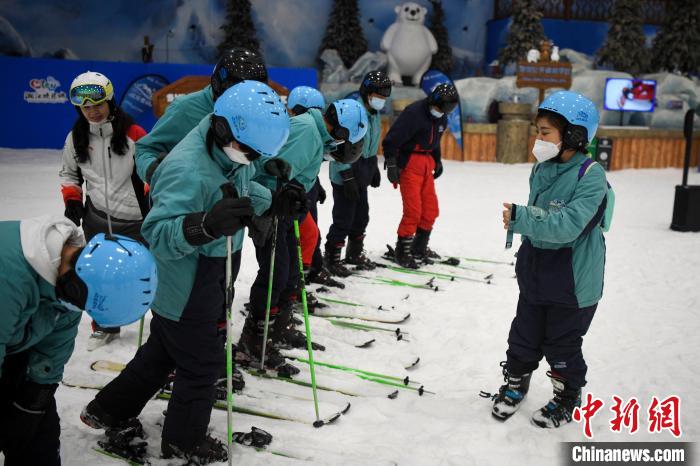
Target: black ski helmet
x=375 y=82
x=444 y=97
x=234 y=66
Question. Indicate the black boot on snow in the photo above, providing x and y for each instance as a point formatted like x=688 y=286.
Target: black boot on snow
x=420 y=249
x=93 y=415
x=332 y=262
x=559 y=410
x=250 y=344
x=355 y=254
x=322 y=276
x=402 y=253
x=511 y=394
x=211 y=450
x=284 y=334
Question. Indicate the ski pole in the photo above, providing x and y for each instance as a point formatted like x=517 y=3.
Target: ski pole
x=269 y=293
x=305 y=307
x=229 y=191
x=141 y=331
x=229 y=349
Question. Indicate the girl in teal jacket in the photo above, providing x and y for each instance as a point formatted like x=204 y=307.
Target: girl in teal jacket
x=45 y=276
x=560 y=262
x=202 y=192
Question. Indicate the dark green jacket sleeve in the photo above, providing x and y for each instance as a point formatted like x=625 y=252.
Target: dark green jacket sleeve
x=564 y=224
x=175 y=195
x=13 y=302
x=48 y=357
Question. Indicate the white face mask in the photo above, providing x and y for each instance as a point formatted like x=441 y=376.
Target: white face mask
x=236 y=156
x=544 y=150
x=376 y=103
x=436 y=113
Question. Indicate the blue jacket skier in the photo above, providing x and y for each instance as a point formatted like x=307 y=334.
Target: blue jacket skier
x=47 y=277
x=561 y=260
x=186 y=228
x=350 y=183
x=337 y=132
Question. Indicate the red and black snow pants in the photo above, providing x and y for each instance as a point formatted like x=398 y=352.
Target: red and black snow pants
x=420 y=203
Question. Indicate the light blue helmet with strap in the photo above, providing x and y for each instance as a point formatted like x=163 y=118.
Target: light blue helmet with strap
x=303 y=98
x=252 y=114
x=349 y=120
x=121 y=279
x=579 y=111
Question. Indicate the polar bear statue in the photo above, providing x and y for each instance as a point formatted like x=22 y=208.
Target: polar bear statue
x=409 y=45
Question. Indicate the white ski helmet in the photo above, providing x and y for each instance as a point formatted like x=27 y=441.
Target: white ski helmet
x=90 y=88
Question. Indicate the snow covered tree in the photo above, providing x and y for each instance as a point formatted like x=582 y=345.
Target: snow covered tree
x=525 y=32
x=625 y=47
x=239 y=30
x=676 y=46
x=344 y=32
x=442 y=60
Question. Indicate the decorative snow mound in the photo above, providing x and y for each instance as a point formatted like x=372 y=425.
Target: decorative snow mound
x=675 y=94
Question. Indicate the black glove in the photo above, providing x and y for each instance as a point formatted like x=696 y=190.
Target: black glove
x=438 y=170
x=20 y=422
x=75 y=211
x=376 y=178
x=259 y=230
x=278 y=168
x=225 y=218
x=393 y=172
x=351 y=188
x=321 y=194
x=289 y=201
x=152 y=167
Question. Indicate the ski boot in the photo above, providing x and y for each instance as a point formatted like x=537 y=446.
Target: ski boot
x=211 y=450
x=284 y=334
x=355 y=254
x=101 y=337
x=249 y=346
x=322 y=276
x=559 y=410
x=420 y=249
x=332 y=262
x=93 y=415
x=402 y=253
x=511 y=394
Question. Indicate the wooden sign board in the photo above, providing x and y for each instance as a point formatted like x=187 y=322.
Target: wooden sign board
x=188 y=84
x=543 y=75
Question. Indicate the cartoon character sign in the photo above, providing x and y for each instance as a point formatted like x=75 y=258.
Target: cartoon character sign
x=409 y=45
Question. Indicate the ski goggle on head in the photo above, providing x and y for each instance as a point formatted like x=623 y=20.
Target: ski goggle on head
x=86 y=95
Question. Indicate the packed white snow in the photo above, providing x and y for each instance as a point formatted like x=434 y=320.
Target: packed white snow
x=643 y=341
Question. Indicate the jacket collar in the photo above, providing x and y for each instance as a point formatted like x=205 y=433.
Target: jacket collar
x=103 y=129
x=218 y=155
x=328 y=141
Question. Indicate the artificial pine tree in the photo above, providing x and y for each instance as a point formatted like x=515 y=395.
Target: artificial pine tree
x=442 y=60
x=344 y=32
x=239 y=30
x=625 y=47
x=676 y=46
x=525 y=32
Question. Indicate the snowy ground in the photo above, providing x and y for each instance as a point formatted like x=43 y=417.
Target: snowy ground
x=643 y=341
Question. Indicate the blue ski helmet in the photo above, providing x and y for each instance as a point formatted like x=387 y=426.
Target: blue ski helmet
x=579 y=111
x=252 y=114
x=303 y=98
x=349 y=120
x=120 y=276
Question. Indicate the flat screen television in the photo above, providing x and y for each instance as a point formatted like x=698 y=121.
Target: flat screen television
x=630 y=95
